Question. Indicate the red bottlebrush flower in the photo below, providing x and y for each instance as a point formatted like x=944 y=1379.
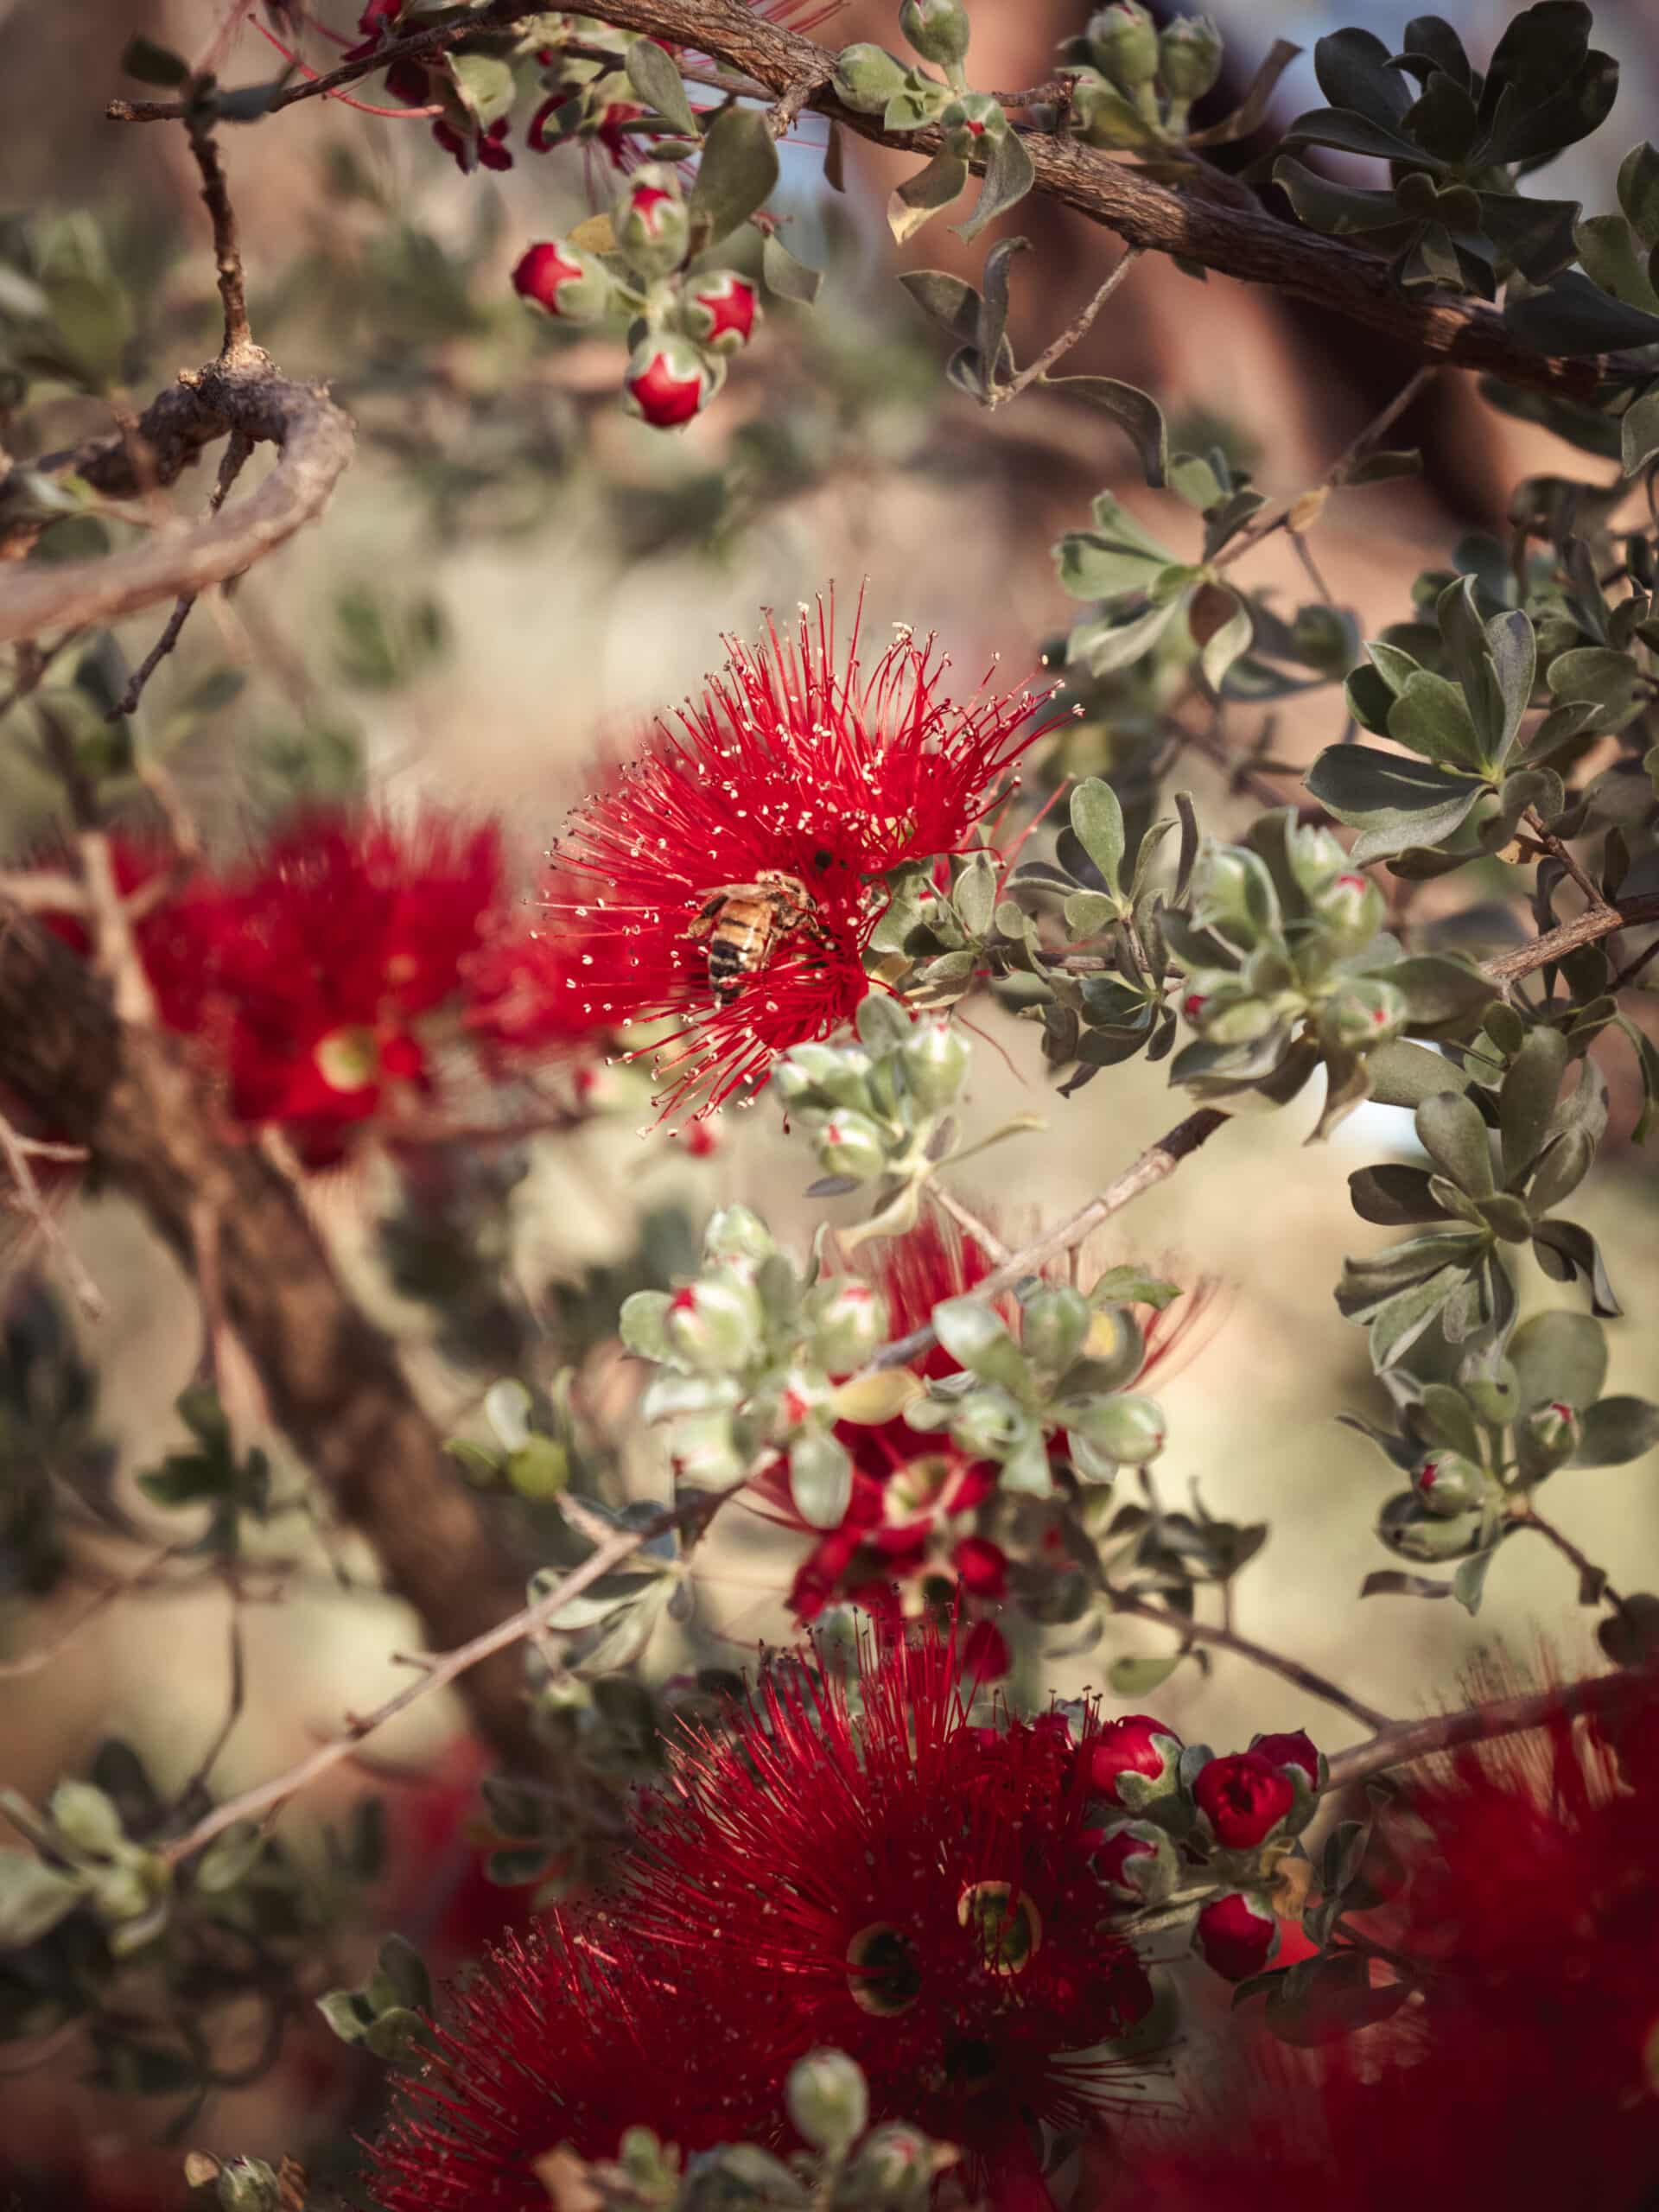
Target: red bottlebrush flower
x=722 y=311
x=1242 y=1798
x=526 y=996
x=803 y=774
x=668 y=382
x=1236 y=1934
x=1295 y=1752
x=1132 y=1759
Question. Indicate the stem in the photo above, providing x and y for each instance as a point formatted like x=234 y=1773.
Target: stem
x=969 y=1223
x=1227 y=1639
x=1073 y=334
x=1552 y=845
x=227 y=249
x=1444 y=1731
x=1600 y=922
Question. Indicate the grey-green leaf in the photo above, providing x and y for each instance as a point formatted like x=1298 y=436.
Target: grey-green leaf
x=1528 y=1098
x=1616 y=1431
x=1454 y=1136
x=1136 y=413
x=1097 y=822
x=659 y=84
x=736 y=175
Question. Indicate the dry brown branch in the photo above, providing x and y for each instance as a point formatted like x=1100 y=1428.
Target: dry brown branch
x=1555 y=944
x=233 y=459
x=1240 y=241
x=1226 y=1639
x=1406 y=1741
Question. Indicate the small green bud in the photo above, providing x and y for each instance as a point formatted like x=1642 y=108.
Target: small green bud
x=988 y=1425
x=894 y=2169
x=1449 y=1484
x=1099 y=119
x=850 y=1144
x=936 y=1058
x=248 y=2185
x=1232 y=893
x=714 y=1324
x=970 y=124
x=867 y=77
x=938 y=29
x=841 y=1075
x=847 y=1317
x=1055 y=1326
x=828 y=2101
x=1127 y=1427
x=1315 y=857
x=1221 y=1006
x=652 y=222
x=1123 y=40
x=1189 y=57
x=1546 y=1437
x=1363 y=1012
x=1349 y=910
x=735 y=1237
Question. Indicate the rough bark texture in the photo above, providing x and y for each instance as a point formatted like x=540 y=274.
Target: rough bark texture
x=150 y=1120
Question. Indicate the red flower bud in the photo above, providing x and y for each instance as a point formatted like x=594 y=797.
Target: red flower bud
x=1133 y=1760
x=668 y=382
x=1137 y=1862
x=722 y=311
x=565 y=281
x=1243 y=1798
x=1236 y=1934
x=1297 y=1751
x=981 y=1567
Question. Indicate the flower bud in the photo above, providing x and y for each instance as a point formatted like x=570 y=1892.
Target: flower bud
x=1127 y=1427
x=562 y=280
x=1098 y=117
x=894 y=2169
x=1233 y=892
x=735 y=1237
x=1132 y=1760
x=988 y=1424
x=837 y=1072
x=970 y=122
x=1189 y=57
x=714 y=1324
x=1242 y=1799
x=828 y=2099
x=1136 y=1862
x=981 y=1569
x=1295 y=1756
x=668 y=381
x=652 y=225
x=1362 y=1013
x=1548 y=1436
x=849 y=1143
x=1223 y=1008
x=1236 y=1934
x=1349 y=909
x=936 y=1058
x=720 y=310
x=1448 y=1483
x=867 y=77
x=1123 y=40
x=938 y=29
x=847 y=1317
x=1055 y=1326
x=248 y=2185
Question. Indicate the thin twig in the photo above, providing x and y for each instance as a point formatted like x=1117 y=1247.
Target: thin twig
x=1600 y=903
x=1071 y=336
x=445 y=1666
x=1590 y=1577
x=782 y=116
x=1227 y=1639
x=969 y=1223
x=1585 y=929
x=17 y=1151
x=227 y=250
x=232 y=463
x=1444 y=1731
x=234 y=1704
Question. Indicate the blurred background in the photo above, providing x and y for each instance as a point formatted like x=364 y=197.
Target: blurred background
x=511 y=576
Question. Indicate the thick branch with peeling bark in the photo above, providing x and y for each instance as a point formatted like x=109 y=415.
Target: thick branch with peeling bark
x=130 y=1095
x=1238 y=240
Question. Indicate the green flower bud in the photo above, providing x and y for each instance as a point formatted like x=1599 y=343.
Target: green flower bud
x=1448 y=1483
x=849 y=1143
x=784 y=1405
x=1407 y=1526
x=714 y=1324
x=1349 y=910
x=1221 y=1006
x=248 y=2185
x=936 y=1058
x=938 y=29
x=1127 y=1427
x=970 y=124
x=1315 y=857
x=1189 y=57
x=841 y=1075
x=736 y=1238
x=1055 y=1326
x=652 y=224
x=894 y=2169
x=847 y=1317
x=1099 y=118
x=1123 y=40
x=1363 y=1012
x=865 y=78
x=988 y=1425
x=1232 y=893
x=828 y=2101
x=1546 y=1437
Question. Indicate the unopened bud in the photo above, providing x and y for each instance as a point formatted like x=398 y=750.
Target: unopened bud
x=652 y=225
x=1236 y=1934
x=848 y=1320
x=971 y=123
x=721 y=310
x=248 y=2185
x=1099 y=118
x=668 y=381
x=936 y=1058
x=563 y=281
x=1546 y=1437
x=938 y=29
x=1449 y=1484
x=1189 y=57
x=1123 y=40
x=1233 y=892
x=1361 y=1014
x=714 y=1324
x=1349 y=909
x=1137 y=1862
x=849 y=1143
x=988 y=1425
x=867 y=77
x=1223 y=1008
x=1128 y=1428
x=1055 y=1326
x=828 y=2101
x=894 y=2169
x=1132 y=1760
x=737 y=1237
x=838 y=1073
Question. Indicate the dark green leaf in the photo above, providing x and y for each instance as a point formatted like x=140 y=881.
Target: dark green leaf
x=1452 y=1132
x=1394 y=802
x=919 y=198
x=1355 y=70
x=1443 y=120
x=1639 y=432
x=1565 y=1251
x=1135 y=412
x=1616 y=1431
x=1339 y=209
x=33 y=1898
x=1396 y=1197
x=1613 y=259
x=1468 y=1582
x=1638 y=191
x=1574 y=317
x=988 y=338
x=1350 y=133
x=736 y=175
x=786 y=278
x=659 y=85
x=1536 y=235
x=1391 y=1582
x=1528 y=1098
x=1009 y=175
x=1098 y=823
x=152 y=64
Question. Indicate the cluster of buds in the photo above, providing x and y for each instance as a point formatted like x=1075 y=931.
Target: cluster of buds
x=591 y=98
x=1287 y=967
x=872 y=81
x=1135 y=82
x=1169 y=1818
x=749 y=1353
x=685 y=323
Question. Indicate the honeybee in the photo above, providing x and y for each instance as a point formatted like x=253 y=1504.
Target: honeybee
x=743 y=922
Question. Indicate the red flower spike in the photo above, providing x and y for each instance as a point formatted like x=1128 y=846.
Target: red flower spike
x=800 y=770
x=1242 y=1798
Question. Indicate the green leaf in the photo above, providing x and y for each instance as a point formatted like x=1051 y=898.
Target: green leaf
x=736 y=175
x=86 y=1817
x=1355 y=70
x=1349 y=133
x=974 y=895
x=785 y=277
x=33 y=1898
x=1575 y=317
x=1566 y=1251
x=1009 y=175
x=152 y=64
x=1136 y=413
x=1452 y=1132
x=1469 y=1581
x=1111 y=644
x=659 y=85
x=921 y=197
x=1404 y=1074
x=1613 y=259
x=1130 y=1677
x=1638 y=191
x=1339 y=209
x=1394 y=802
x=405 y=1972
x=1431 y=717
x=486 y=85
x=1528 y=1098
x=1616 y=1431
x=1098 y=823
x=1223 y=639
x=640 y=1324
x=230 y=1858
x=975 y=1338
x=1394 y=1197
x=1638 y=433
x=1559 y=1354
x=1252 y=110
